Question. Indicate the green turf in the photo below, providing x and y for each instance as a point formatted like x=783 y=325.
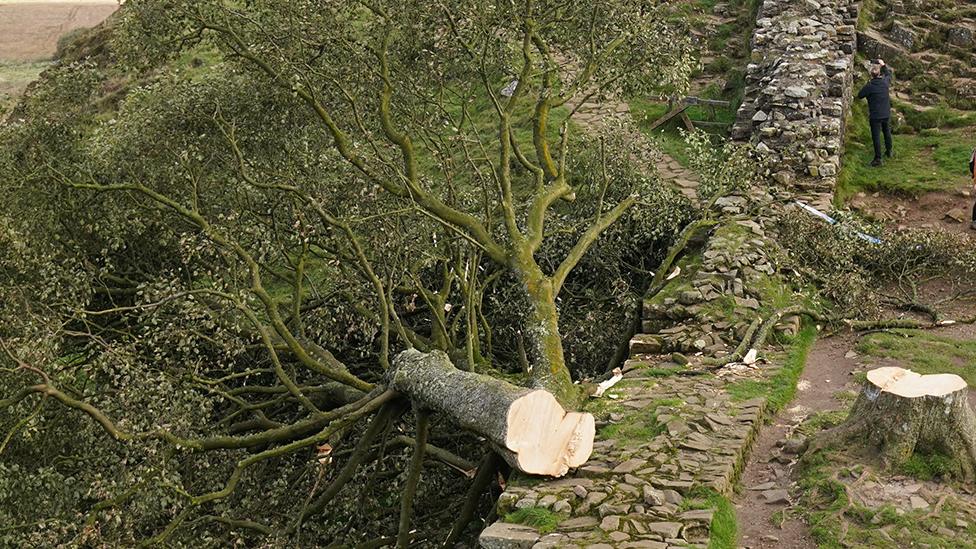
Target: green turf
x=924 y=352
x=640 y=427
x=723 y=528
x=669 y=136
x=14 y=78
x=781 y=386
x=722 y=533
x=932 y=158
x=540 y=518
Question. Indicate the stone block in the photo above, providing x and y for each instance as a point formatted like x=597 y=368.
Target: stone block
x=962 y=36
x=903 y=35
x=645 y=344
x=665 y=529
x=502 y=535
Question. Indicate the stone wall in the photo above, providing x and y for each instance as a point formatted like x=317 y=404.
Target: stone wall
x=798 y=88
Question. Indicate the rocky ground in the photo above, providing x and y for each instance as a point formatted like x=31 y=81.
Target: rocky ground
x=933 y=45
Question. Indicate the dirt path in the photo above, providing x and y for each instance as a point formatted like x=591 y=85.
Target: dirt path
x=828 y=371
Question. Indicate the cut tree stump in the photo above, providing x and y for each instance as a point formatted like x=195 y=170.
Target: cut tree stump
x=900 y=411
x=527 y=427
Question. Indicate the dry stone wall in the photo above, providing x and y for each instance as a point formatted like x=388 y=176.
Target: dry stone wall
x=798 y=88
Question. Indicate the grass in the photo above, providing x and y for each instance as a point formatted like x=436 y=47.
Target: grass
x=669 y=136
x=540 y=518
x=931 y=154
x=14 y=78
x=836 y=522
x=723 y=529
x=928 y=466
x=821 y=421
x=781 y=386
x=640 y=427
x=924 y=352
x=722 y=534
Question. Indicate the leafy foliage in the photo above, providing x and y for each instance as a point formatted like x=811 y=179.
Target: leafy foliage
x=220 y=226
x=857 y=276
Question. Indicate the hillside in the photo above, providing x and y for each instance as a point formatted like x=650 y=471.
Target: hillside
x=29 y=35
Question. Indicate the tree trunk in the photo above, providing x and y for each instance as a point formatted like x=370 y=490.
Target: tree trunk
x=899 y=412
x=528 y=428
x=545 y=344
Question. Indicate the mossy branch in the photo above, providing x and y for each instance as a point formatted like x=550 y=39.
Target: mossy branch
x=413 y=478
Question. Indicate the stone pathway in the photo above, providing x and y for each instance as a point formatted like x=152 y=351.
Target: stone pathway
x=687 y=181
x=642 y=492
x=593 y=116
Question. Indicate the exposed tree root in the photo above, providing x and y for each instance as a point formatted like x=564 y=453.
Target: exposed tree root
x=938 y=507
x=740 y=351
x=754 y=339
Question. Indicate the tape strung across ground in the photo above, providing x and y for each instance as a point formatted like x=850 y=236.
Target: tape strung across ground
x=817 y=213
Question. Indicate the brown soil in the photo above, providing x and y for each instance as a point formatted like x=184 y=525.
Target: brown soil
x=29 y=31
x=828 y=372
x=928 y=211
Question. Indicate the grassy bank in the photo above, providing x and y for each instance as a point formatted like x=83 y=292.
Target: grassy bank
x=924 y=352
x=14 y=79
x=931 y=153
x=779 y=388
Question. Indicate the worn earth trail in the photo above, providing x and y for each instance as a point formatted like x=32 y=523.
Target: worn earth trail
x=827 y=373
x=947 y=210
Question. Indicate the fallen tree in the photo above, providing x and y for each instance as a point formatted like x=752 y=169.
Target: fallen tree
x=899 y=412
x=239 y=293
x=527 y=427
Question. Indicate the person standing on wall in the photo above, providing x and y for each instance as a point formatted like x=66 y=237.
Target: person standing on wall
x=879 y=108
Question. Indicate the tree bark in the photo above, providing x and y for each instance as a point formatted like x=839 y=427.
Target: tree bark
x=527 y=427
x=545 y=344
x=900 y=411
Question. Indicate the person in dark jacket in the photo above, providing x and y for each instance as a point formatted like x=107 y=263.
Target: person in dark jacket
x=972 y=173
x=879 y=107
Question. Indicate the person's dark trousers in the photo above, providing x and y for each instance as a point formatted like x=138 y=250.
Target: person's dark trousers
x=879 y=127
